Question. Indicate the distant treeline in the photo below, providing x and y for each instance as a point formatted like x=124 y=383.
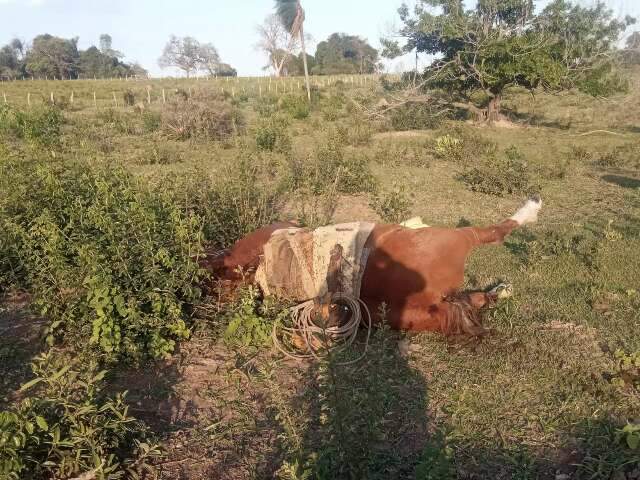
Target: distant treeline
x=54 y=57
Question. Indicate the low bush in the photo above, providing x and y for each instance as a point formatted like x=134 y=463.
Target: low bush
x=355 y=131
x=402 y=153
x=622 y=156
x=160 y=154
x=64 y=427
x=129 y=98
x=330 y=166
x=39 y=126
x=414 y=116
x=332 y=107
x=111 y=263
x=499 y=174
x=393 y=206
x=151 y=121
x=463 y=146
x=241 y=198
x=249 y=321
x=266 y=106
x=295 y=105
x=271 y=135
x=125 y=123
x=201 y=118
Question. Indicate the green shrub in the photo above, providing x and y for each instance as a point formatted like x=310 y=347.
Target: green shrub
x=499 y=175
x=111 y=263
x=627 y=369
x=125 y=123
x=151 y=121
x=39 y=126
x=463 y=146
x=64 y=427
x=392 y=206
x=330 y=167
x=402 y=153
x=160 y=154
x=295 y=105
x=271 y=135
x=356 y=131
x=266 y=106
x=249 y=322
x=240 y=199
x=414 y=116
x=332 y=107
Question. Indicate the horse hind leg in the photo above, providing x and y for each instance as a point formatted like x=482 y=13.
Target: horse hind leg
x=496 y=234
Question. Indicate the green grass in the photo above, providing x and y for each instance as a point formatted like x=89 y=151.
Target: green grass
x=536 y=398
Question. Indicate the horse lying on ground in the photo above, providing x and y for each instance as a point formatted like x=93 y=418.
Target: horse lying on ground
x=416 y=273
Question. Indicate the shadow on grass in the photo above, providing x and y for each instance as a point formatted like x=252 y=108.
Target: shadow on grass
x=621 y=181
x=535 y=120
x=368 y=419
x=19 y=344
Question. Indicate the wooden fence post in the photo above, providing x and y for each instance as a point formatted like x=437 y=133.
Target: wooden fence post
x=29 y=98
x=149 y=95
x=115 y=100
x=53 y=100
x=95 y=100
x=164 y=98
x=71 y=99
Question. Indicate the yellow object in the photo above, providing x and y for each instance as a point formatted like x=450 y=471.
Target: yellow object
x=414 y=223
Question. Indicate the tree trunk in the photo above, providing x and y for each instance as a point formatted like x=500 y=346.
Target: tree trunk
x=493 y=109
x=304 y=61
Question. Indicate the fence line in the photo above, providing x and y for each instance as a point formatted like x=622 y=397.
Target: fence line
x=156 y=90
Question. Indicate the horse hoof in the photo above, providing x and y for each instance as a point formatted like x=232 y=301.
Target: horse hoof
x=502 y=291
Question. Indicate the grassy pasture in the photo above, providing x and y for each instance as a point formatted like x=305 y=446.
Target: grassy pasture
x=544 y=396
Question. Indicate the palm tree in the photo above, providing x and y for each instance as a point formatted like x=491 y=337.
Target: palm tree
x=291 y=14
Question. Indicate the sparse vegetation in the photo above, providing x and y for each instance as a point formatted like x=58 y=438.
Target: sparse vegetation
x=102 y=222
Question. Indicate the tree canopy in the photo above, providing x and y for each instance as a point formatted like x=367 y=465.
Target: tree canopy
x=501 y=43
x=57 y=57
x=342 y=53
x=191 y=56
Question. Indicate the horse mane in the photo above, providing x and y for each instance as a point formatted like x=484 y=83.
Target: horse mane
x=462 y=317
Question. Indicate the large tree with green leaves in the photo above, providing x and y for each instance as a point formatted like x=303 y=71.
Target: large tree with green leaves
x=291 y=14
x=53 y=57
x=502 y=43
x=342 y=53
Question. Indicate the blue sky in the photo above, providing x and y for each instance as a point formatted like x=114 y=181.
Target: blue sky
x=140 y=28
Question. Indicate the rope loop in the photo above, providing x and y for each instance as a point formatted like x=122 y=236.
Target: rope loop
x=317 y=338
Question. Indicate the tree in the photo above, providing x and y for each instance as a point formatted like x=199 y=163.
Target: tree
x=295 y=65
x=342 y=53
x=291 y=14
x=226 y=70
x=189 y=55
x=277 y=42
x=209 y=59
x=182 y=53
x=104 y=62
x=501 y=43
x=631 y=55
x=106 y=47
x=11 y=56
x=53 y=57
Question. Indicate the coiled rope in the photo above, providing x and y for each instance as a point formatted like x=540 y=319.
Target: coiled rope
x=340 y=336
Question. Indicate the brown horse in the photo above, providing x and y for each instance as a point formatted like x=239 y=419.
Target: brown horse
x=416 y=273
